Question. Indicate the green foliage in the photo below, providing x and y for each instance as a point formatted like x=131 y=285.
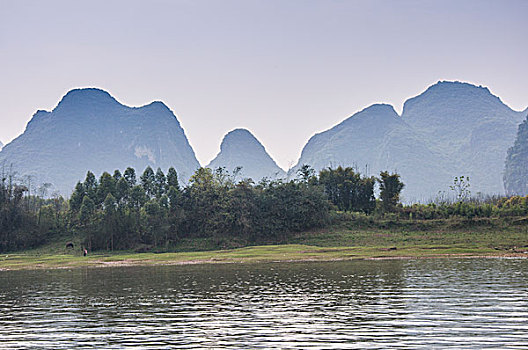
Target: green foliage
x=107 y=185
x=87 y=210
x=77 y=197
x=390 y=189
x=348 y=190
x=172 y=178
x=158 y=213
x=26 y=221
x=148 y=181
x=160 y=183
x=116 y=213
x=306 y=173
x=130 y=177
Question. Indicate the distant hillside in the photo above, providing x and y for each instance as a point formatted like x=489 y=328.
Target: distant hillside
x=90 y=130
x=516 y=169
x=470 y=126
x=1 y=145
x=377 y=139
x=451 y=129
x=240 y=148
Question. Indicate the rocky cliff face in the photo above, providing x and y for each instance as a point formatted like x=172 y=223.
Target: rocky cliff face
x=516 y=168
x=90 y=130
x=240 y=148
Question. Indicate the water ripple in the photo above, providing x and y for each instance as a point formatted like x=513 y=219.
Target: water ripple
x=416 y=304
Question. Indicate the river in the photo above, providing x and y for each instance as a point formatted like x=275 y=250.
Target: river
x=408 y=304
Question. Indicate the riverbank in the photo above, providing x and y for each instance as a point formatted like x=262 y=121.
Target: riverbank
x=257 y=254
x=345 y=240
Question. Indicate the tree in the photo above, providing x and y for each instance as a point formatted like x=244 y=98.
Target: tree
x=460 y=187
x=154 y=219
x=87 y=210
x=241 y=208
x=203 y=200
x=160 y=183
x=121 y=191
x=348 y=190
x=90 y=186
x=77 y=197
x=110 y=224
x=172 y=179
x=117 y=175
x=148 y=180
x=365 y=199
x=107 y=185
x=390 y=188
x=137 y=197
x=305 y=173
x=130 y=177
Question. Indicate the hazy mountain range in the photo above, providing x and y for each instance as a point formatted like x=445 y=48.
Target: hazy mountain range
x=451 y=129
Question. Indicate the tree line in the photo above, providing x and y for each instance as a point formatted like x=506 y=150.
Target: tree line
x=125 y=211
x=122 y=211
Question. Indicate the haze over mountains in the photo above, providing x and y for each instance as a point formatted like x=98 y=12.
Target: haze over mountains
x=469 y=125
x=240 y=148
x=449 y=130
x=377 y=139
x=90 y=130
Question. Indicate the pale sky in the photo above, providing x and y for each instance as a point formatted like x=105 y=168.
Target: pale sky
x=284 y=69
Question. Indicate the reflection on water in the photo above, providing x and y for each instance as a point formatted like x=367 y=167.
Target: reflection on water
x=462 y=303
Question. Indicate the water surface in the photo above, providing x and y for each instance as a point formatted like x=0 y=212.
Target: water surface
x=459 y=303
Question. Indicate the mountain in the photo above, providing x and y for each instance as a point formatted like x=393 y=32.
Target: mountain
x=468 y=125
x=377 y=139
x=90 y=130
x=1 y=145
x=240 y=148
x=516 y=169
x=451 y=129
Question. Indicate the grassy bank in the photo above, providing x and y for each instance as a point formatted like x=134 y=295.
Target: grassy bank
x=271 y=253
x=345 y=240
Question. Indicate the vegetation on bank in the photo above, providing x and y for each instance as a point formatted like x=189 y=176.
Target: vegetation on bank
x=337 y=207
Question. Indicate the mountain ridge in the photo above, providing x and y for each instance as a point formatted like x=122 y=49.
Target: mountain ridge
x=451 y=129
x=373 y=140
x=239 y=147
x=469 y=125
x=90 y=130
